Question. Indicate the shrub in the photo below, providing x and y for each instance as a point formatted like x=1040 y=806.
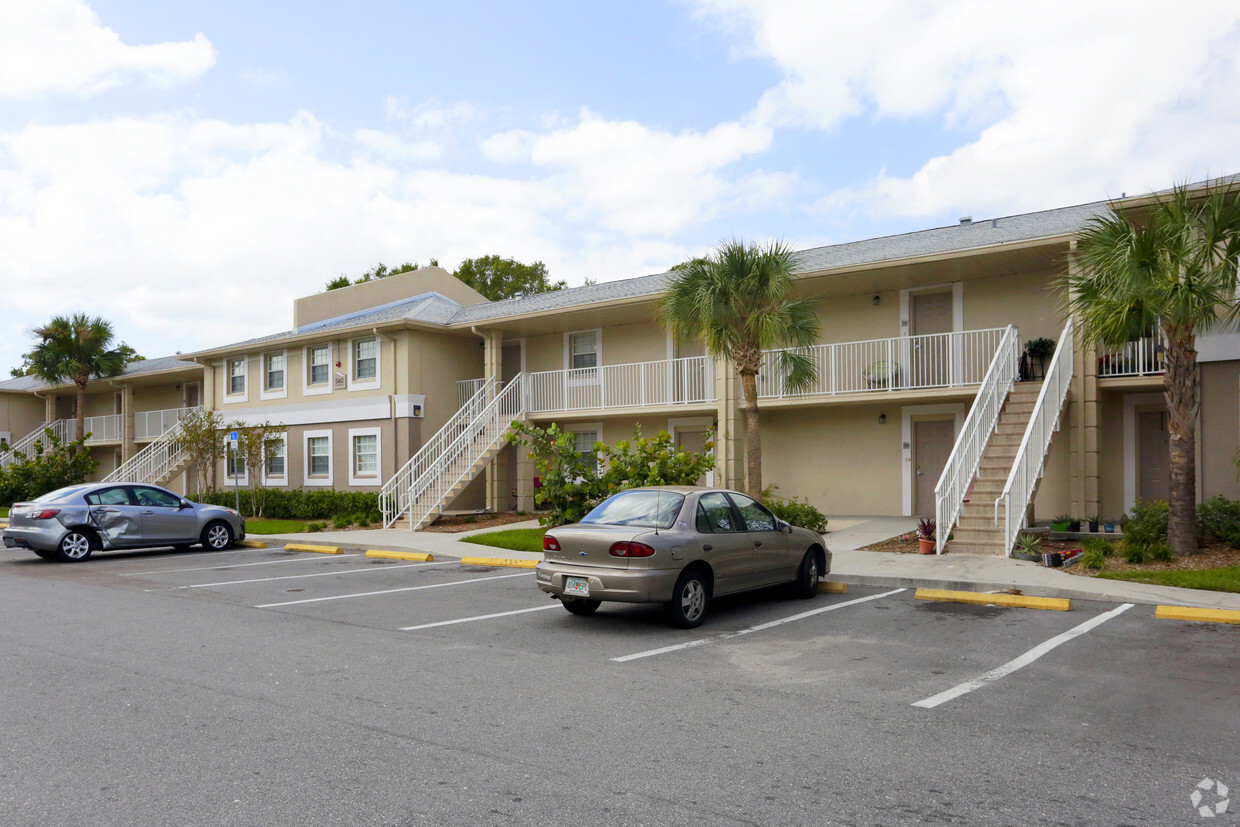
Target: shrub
x=48 y=465
x=298 y=503
x=1029 y=544
x=1159 y=551
x=469 y=519
x=342 y=521
x=361 y=520
x=794 y=511
x=1220 y=520
x=1094 y=559
x=1135 y=552
x=1105 y=548
x=312 y=527
x=1148 y=523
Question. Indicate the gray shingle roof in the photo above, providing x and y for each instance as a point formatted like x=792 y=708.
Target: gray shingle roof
x=33 y=383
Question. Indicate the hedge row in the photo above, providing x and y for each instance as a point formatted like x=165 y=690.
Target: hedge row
x=298 y=503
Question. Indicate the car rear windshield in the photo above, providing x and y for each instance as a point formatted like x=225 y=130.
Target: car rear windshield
x=60 y=494
x=644 y=509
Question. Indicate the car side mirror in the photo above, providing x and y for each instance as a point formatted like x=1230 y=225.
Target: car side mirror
x=786 y=528
x=186 y=503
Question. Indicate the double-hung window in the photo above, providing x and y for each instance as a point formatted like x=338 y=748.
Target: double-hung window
x=275 y=458
x=583 y=353
x=275 y=371
x=365 y=359
x=583 y=443
x=318 y=449
x=236 y=376
x=364 y=462
x=236 y=465
x=320 y=365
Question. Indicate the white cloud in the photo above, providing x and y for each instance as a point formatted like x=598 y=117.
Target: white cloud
x=1068 y=101
x=262 y=78
x=429 y=115
x=61 y=46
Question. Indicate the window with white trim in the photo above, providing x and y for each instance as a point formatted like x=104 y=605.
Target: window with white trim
x=319 y=455
x=319 y=365
x=365 y=462
x=276 y=459
x=583 y=351
x=365 y=359
x=236 y=466
x=274 y=371
x=583 y=443
x=236 y=376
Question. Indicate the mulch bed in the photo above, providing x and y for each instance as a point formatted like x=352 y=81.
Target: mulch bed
x=459 y=523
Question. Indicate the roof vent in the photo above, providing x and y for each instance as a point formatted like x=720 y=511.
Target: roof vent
x=966 y=219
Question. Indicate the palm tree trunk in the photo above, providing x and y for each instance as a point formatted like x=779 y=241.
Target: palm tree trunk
x=81 y=409
x=1182 y=393
x=753 y=436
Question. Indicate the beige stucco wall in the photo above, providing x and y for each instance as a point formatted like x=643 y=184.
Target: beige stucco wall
x=856 y=318
x=1054 y=495
x=332 y=303
x=435 y=363
x=1024 y=299
x=1111 y=455
x=295 y=454
x=162 y=397
x=1220 y=429
x=20 y=413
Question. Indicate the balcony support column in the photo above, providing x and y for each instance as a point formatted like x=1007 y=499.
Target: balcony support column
x=730 y=441
x=1082 y=420
x=128 y=448
x=496 y=499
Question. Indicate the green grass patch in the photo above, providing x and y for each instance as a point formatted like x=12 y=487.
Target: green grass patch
x=1226 y=579
x=517 y=539
x=257 y=525
x=4 y=512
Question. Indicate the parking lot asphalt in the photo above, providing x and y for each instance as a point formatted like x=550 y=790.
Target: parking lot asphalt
x=274 y=687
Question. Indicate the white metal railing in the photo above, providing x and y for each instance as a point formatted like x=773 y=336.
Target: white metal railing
x=966 y=454
x=150 y=424
x=465 y=390
x=107 y=428
x=1140 y=357
x=1031 y=456
x=935 y=360
x=156 y=460
x=20 y=447
x=397 y=494
x=684 y=381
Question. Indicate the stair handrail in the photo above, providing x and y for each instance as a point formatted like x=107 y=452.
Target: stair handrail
x=10 y=456
x=155 y=459
x=394 y=496
x=457 y=460
x=1031 y=456
x=966 y=455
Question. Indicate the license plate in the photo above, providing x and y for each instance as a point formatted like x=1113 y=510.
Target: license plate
x=577 y=585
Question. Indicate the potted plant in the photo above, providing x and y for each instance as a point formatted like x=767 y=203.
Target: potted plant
x=1074 y=525
x=1028 y=547
x=1062 y=523
x=1092 y=519
x=925 y=535
x=1038 y=350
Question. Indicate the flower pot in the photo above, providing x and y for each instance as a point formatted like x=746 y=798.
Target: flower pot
x=1093 y=526
x=1060 y=526
x=1110 y=528
x=925 y=546
x=1075 y=525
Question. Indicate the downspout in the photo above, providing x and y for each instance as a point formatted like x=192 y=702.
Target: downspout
x=395 y=451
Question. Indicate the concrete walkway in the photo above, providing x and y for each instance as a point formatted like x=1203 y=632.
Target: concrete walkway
x=849 y=565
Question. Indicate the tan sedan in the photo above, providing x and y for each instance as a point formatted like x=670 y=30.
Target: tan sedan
x=679 y=546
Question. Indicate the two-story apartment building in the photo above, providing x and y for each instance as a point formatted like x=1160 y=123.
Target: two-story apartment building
x=919 y=406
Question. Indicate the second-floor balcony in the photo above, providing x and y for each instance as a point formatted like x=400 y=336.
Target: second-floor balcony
x=902 y=363
x=661 y=384
x=150 y=424
x=1141 y=357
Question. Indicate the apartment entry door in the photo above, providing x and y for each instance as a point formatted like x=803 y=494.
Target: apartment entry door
x=932 y=445
x=510 y=361
x=1153 y=456
x=930 y=359
x=694 y=442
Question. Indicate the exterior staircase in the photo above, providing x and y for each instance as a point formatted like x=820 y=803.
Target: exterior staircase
x=159 y=462
x=977 y=531
x=20 y=447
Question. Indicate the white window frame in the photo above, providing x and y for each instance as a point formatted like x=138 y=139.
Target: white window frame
x=596 y=427
x=308 y=389
x=575 y=381
x=232 y=479
x=264 y=392
x=229 y=396
x=331 y=471
x=377 y=479
x=278 y=481
x=370 y=384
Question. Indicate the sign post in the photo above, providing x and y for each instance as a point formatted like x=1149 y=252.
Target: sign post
x=232 y=446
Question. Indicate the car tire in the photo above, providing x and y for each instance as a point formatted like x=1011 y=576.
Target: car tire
x=690 y=600
x=583 y=608
x=46 y=555
x=75 y=546
x=182 y=546
x=217 y=536
x=806 y=584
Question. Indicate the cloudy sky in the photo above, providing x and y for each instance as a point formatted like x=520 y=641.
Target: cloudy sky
x=186 y=168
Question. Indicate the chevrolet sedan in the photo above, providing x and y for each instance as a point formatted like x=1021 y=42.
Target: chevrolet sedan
x=70 y=523
x=679 y=546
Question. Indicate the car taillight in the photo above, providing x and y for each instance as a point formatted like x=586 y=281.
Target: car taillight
x=549 y=543
x=623 y=549
x=45 y=514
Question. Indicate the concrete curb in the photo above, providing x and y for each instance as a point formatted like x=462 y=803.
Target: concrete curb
x=833 y=588
x=1198 y=615
x=897 y=581
x=1016 y=601
x=250 y=544
x=499 y=562
x=309 y=547
x=401 y=555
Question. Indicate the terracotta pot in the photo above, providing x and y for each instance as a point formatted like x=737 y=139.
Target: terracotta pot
x=925 y=546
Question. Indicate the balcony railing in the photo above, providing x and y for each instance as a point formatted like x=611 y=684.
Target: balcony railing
x=101 y=428
x=151 y=424
x=686 y=381
x=937 y=360
x=467 y=389
x=1141 y=357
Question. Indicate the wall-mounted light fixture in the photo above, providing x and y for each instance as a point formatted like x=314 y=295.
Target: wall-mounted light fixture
x=877 y=299
x=882 y=419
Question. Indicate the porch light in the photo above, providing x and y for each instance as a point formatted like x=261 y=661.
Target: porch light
x=882 y=419
x=877 y=299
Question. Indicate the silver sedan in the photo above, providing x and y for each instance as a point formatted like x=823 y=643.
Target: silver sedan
x=680 y=546
x=70 y=523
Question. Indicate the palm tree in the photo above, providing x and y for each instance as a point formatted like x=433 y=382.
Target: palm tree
x=1170 y=266
x=738 y=302
x=76 y=350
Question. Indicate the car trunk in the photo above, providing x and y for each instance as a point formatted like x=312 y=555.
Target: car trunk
x=19 y=513
x=584 y=544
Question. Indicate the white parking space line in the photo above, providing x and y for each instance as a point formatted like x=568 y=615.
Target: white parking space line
x=182 y=556
x=371 y=568
x=759 y=628
x=241 y=565
x=395 y=591
x=1022 y=661
x=556 y=605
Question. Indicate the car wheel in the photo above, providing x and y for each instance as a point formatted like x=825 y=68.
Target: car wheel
x=74 y=547
x=689 y=602
x=582 y=607
x=806 y=584
x=216 y=536
x=46 y=555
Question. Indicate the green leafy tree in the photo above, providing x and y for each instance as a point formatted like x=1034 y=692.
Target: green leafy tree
x=571 y=483
x=76 y=349
x=26 y=369
x=738 y=301
x=48 y=464
x=255 y=444
x=1170 y=267
x=504 y=278
x=202 y=435
x=379 y=271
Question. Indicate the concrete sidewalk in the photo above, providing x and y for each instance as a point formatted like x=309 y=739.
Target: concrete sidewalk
x=849 y=565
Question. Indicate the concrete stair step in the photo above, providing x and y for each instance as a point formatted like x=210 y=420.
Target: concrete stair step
x=959 y=547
